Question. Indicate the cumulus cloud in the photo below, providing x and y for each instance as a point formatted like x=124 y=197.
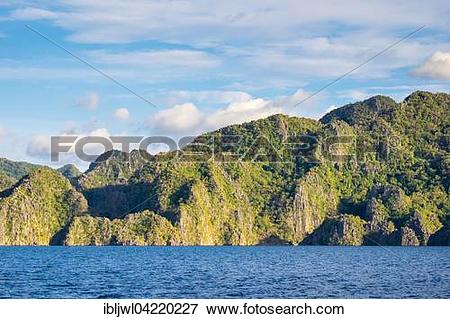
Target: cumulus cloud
x=40 y=147
x=122 y=114
x=89 y=101
x=182 y=118
x=240 y=112
x=189 y=119
x=437 y=67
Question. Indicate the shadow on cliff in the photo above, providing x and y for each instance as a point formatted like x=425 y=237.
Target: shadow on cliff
x=116 y=201
x=59 y=238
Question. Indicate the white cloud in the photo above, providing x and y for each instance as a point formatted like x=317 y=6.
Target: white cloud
x=157 y=58
x=319 y=57
x=33 y=14
x=189 y=119
x=298 y=45
x=199 y=35
x=70 y=128
x=208 y=96
x=182 y=118
x=178 y=21
x=437 y=67
x=122 y=114
x=89 y=101
x=2 y=132
x=330 y=108
x=355 y=94
x=103 y=132
x=240 y=112
x=40 y=147
x=22 y=72
x=124 y=73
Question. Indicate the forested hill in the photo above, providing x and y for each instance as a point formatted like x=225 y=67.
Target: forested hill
x=374 y=172
x=11 y=172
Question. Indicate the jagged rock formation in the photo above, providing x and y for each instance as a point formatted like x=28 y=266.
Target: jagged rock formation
x=345 y=230
x=37 y=208
x=408 y=237
x=370 y=173
x=143 y=229
x=316 y=198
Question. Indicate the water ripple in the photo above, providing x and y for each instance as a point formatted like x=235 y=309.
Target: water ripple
x=224 y=272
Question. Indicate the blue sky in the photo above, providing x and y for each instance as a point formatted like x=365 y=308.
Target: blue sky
x=205 y=64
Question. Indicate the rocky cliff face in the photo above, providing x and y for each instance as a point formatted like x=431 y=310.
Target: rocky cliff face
x=217 y=212
x=407 y=237
x=142 y=229
x=316 y=198
x=374 y=172
x=37 y=208
x=345 y=230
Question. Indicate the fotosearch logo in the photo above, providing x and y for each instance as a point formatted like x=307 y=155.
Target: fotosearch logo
x=228 y=148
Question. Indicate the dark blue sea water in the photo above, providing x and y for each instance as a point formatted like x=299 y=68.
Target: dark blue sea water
x=224 y=272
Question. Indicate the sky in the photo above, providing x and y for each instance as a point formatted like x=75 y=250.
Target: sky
x=180 y=68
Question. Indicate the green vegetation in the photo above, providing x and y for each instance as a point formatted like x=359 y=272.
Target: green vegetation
x=69 y=171
x=370 y=173
x=87 y=231
x=6 y=181
x=345 y=230
x=39 y=207
x=142 y=229
x=15 y=170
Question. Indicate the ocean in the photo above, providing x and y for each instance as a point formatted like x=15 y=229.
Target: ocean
x=225 y=272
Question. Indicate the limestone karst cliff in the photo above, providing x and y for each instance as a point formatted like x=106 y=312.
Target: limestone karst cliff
x=374 y=172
